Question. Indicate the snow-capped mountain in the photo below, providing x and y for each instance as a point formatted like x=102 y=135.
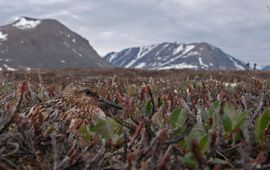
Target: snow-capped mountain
x=175 y=56
x=32 y=43
x=266 y=67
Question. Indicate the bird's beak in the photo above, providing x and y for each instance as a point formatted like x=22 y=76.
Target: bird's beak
x=109 y=104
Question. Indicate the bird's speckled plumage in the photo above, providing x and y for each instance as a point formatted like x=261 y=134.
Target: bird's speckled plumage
x=77 y=106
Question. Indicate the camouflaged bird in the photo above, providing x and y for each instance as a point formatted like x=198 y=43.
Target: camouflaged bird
x=78 y=105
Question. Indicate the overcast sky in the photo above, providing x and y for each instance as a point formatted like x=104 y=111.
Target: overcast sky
x=239 y=27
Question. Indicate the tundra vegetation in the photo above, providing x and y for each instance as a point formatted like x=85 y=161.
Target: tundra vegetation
x=175 y=119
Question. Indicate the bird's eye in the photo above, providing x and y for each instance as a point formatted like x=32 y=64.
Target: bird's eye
x=89 y=93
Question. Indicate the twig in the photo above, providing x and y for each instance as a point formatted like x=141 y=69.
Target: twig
x=259 y=107
x=187 y=108
x=124 y=123
x=156 y=148
x=15 y=150
x=197 y=154
x=29 y=145
x=4 y=124
x=9 y=163
x=136 y=133
x=225 y=158
x=97 y=158
x=55 y=150
x=164 y=161
x=78 y=160
x=4 y=100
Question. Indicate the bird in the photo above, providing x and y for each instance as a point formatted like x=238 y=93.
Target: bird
x=78 y=105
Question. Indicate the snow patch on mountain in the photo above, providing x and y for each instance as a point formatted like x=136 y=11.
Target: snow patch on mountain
x=141 y=65
x=192 y=53
x=204 y=65
x=45 y=43
x=239 y=67
x=3 y=36
x=113 y=56
x=75 y=51
x=9 y=68
x=25 y=23
x=188 y=48
x=67 y=44
x=178 y=49
x=178 y=66
x=142 y=52
x=174 y=56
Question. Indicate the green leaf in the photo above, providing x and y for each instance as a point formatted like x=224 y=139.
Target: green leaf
x=197 y=134
x=233 y=118
x=227 y=123
x=230 y=111
x=85 y=133
x=108 y=129
x=113 y=129
x=262 y=122
x=215 y=104
x=173 y=117
x=99 y=124
x=240 y=119
x=158 y=120
x=177 y=118
x=205 y=114
x=148 y=108
x=189 y=160
x=204 y=144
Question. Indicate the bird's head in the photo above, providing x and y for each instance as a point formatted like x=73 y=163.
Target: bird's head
x=85 y=93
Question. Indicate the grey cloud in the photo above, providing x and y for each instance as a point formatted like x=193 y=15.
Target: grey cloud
x=240 y=28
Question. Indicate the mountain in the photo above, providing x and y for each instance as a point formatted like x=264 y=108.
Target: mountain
x=175 y=56
x=266 y=67
x=32 y=43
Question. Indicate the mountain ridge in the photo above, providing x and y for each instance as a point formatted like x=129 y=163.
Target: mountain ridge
x=174 y=55
x=47 y=43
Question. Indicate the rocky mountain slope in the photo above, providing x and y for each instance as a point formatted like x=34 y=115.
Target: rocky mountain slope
x=175 y=56
x=31 y=43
